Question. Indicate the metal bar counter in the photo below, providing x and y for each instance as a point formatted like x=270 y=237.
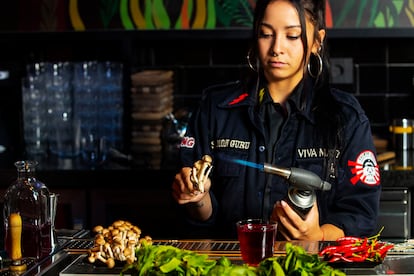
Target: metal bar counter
x=71 y=259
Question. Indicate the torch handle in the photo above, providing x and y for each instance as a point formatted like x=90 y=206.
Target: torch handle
x=307 y=180
x=300 y=178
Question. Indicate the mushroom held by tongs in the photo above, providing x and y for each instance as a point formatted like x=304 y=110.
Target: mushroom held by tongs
x=201 y=170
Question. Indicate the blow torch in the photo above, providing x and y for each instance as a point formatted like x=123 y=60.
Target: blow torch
x=301 y=193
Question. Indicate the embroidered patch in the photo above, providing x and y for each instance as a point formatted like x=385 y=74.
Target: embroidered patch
x=239 y=99
x=365 y=169
x=187 y=142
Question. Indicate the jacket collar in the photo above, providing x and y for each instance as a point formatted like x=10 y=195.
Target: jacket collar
x=299 y=101
x=245 y=96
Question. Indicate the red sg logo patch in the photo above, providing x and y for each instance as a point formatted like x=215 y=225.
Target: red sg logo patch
x=187 y=142
x=365 y=169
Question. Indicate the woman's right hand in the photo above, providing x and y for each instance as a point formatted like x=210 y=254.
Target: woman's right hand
x=183 y=189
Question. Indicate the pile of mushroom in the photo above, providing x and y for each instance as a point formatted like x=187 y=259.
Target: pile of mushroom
x=116 y=242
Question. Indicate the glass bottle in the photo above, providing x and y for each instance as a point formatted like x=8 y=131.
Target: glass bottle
x=29 y=197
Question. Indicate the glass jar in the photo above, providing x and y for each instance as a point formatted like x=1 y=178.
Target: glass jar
x=29 y=197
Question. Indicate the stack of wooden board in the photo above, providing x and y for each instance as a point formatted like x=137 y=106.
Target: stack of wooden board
x=151 y=102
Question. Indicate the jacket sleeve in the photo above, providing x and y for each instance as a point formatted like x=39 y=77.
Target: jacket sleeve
x=194 y=145
x=353 y=203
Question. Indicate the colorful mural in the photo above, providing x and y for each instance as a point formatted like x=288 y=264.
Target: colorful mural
x=164 y=14
x=372 y=13
x=77 y=15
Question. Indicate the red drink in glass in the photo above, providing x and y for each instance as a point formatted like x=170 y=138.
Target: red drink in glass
x=257 y=240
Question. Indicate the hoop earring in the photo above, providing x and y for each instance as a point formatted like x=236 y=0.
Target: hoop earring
x=320 y=68
x=249 y=62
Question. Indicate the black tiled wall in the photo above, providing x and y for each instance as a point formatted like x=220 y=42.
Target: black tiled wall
x=382 y=69
x=384 y=76
x=382 y=65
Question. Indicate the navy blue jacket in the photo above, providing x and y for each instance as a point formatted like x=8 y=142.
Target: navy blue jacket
x=227 y=126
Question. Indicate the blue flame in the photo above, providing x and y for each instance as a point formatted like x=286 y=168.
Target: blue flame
x=249 y=164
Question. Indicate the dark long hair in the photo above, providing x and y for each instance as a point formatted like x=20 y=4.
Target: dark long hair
x=329 y=120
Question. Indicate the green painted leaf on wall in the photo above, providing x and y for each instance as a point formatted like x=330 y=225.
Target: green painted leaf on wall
x=234 y=13
x=107 y=10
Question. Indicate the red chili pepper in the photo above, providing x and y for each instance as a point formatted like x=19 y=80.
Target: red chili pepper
x=356 y=249
x=345 y=259
x=359 y=258
x=350 y=259
x=328 y=250
x=350 y=252
x=334 y=259
x=335 y=248
x=382 y=251
x=348 y=239
x=365 y=242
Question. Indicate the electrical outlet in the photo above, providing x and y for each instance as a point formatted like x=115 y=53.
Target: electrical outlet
x=342 y=70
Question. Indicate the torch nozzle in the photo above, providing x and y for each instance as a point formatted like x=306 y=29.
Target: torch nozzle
x=283 y=172
x=300 y=178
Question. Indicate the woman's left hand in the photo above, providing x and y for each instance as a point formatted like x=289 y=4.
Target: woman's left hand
x=292 y=227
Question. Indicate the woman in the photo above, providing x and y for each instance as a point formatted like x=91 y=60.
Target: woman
x=289 y=116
